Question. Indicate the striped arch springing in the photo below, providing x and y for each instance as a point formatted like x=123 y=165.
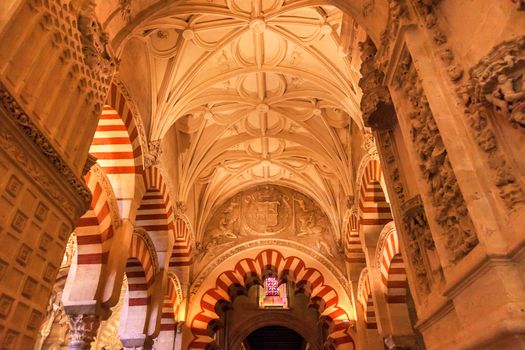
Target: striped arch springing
x=181 y=255
x=96 y=227
x=354 y=251
x=155 y=213
x=142 y=259
x=141 y=268
x=373 y=207
x=115 y=144
x=391 y=266
x=252 y=270
x=172 y=299
x=366 y=301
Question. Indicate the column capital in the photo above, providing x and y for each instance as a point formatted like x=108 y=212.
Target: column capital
x=83 y=328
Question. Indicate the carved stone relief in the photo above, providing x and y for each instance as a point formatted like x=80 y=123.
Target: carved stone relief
x=269 y=211
x=388 y=150
x=450 y=208
x=421 y=246
x=95 y=43
x=496 y=94
x=152 y=156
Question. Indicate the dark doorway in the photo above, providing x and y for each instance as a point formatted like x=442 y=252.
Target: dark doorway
x=274 y=338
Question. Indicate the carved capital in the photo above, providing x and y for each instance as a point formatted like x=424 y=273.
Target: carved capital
x=83 y=329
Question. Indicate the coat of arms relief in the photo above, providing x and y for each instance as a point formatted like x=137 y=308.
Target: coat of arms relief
x=269 y=211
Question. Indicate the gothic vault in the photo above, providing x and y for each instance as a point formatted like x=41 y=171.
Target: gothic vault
x=262 y=174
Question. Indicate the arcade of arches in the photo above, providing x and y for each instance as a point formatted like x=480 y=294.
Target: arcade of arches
x=262 y=174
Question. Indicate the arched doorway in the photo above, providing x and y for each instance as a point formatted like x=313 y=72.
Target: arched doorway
x=274 y=337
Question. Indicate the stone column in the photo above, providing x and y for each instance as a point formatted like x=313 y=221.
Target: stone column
x=83 y=329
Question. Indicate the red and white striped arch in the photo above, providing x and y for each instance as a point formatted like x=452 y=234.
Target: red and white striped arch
x=141 y=268
x=391 y=266
x=353 y=250
x=374 y=209
x=181 y=255
x=155 y=213
x=172 y=300
x=366 y=301
x=116 y=146
x=289 y=268
x=95 y=228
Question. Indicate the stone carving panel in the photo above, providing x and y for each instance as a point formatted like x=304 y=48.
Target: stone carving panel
x=450 y=208
x=269 y=211
x=421 y=247
x=496 y=94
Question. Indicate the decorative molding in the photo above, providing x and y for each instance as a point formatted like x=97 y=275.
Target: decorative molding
x=144 y=236
x=177 y=286
x=23 y=121
x=139 y=126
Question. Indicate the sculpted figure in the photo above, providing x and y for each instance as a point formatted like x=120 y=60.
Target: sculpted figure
x=508 y=101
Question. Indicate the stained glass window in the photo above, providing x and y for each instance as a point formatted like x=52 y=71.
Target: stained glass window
x=272 y=295
x=271 y=286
